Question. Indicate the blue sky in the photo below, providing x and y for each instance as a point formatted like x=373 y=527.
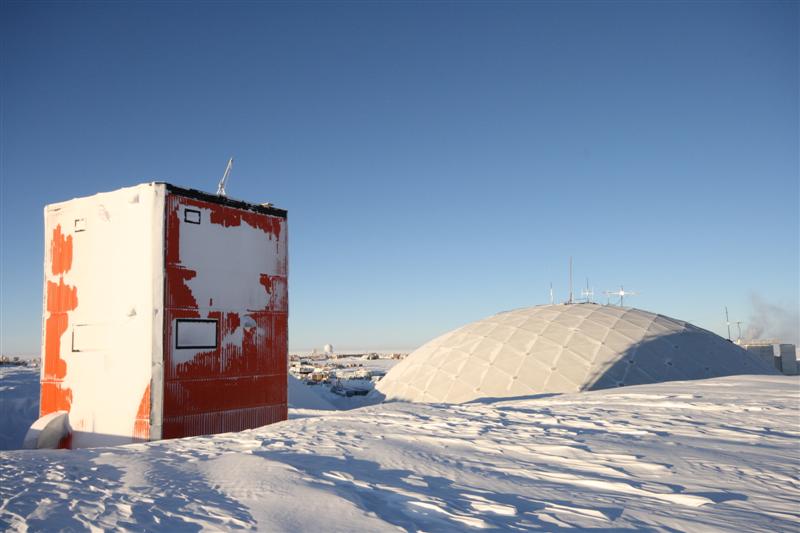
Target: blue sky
x=440 y=161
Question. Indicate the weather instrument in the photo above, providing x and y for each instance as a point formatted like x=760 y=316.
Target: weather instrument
x=622 y=293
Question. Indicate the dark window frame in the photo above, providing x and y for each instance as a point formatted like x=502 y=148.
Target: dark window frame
x=216 y=333
x=194 y=212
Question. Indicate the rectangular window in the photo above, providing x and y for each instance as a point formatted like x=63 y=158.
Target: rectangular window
x=192 y=216
x=195 y=333
x=89 y=337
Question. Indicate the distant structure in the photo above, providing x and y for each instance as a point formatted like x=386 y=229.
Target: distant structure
x=782 y=356
x=563 y=348
x=328 y=349
x=587 y=293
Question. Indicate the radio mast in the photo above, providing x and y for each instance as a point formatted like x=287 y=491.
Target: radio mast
x=221 y=186
x=728 y=322
x=570 y=280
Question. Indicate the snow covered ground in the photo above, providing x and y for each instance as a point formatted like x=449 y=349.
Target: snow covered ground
x=19 y=403
x=720 y=454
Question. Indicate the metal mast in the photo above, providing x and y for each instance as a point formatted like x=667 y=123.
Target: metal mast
x=570 y=280
x=221 y=186
x=587 y=292
x=728 y=322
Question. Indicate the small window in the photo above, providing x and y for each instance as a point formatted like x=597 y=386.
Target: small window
x=195 y=333
x=192 y=216
x=80 y=224
x=89 y=337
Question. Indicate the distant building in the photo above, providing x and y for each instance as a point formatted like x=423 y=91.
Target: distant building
x=781 y=356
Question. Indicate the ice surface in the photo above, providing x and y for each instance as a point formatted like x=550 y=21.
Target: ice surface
x=713 y=455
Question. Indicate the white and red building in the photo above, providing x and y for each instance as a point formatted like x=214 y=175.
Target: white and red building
x=165 y=315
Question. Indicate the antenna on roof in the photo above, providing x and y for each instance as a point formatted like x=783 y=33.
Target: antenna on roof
x=570 y=280
x=551 y=293
x=622 y=293
x=739 y=325
x=221 y=186
x=728 y=322
x=587 y=292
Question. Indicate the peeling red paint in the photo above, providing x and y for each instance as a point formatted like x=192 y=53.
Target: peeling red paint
x=141 y=427
x=54 y=397
x=275 y=286
x=233 y=217
x=173 y=222
x=60 y=252
x=266 y=281
x=60 y=299
x=179 y=294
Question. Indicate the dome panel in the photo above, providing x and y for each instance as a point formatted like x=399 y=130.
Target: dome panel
x=618 y=341
x=558 y=333
x=547 y=352
x=562 y=348
x=453 y=365
x=632 y=331
x=496 y=382
x=593 y=330
x=572 y=367
x=640 y=320
x=559 y=383
x=501 y=332
x=472 y=375
x=509 y=360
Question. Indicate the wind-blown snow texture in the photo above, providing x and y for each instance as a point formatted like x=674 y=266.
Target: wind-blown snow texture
x=719 y=454
x=19 y=404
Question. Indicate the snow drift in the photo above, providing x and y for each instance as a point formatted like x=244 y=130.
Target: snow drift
x=710 y=455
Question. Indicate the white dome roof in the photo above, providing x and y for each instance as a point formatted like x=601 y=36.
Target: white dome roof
x=562 y=348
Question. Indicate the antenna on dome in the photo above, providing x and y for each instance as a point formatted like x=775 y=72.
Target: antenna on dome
x=570 y=280
x=622 y=293
x=551 y=293
x=587 y=292
x=728 y=322
x=221 y=186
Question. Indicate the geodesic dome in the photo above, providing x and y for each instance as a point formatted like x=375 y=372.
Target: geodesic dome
x=563 y=348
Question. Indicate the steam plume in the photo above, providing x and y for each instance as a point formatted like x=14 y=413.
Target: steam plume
x=770 y=321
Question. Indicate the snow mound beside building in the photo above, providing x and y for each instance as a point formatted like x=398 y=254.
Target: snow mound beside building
x=302 y=396
x=563 y=348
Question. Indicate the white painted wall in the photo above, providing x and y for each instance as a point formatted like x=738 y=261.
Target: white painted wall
x=117 y=269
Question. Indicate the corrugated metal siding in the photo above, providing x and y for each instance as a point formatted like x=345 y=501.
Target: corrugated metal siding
x=242 y=383
x=223 y=421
